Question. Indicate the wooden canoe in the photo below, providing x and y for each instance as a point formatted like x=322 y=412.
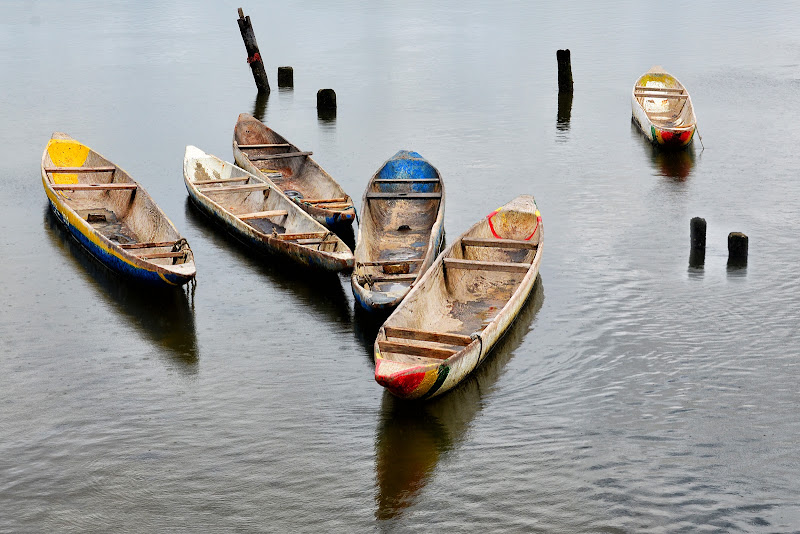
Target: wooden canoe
x=112 y=216
x=662 y=108
x=400 y=231
x=452 y=318
x=259 y=214
x=267 y=154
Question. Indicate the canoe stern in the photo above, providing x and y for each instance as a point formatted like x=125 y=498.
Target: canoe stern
x=414 y=383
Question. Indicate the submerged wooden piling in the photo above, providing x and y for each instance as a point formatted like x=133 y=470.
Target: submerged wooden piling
x=564 y=71
x=285 y=77
x=697 y=256
x=326 y=104
x=253 y=55
x=737 y=249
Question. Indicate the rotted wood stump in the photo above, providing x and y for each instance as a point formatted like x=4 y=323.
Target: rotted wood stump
x=697 y=256
x=285 y=77
x=564 y=71
x=737 y=249
x=253 y=55
x=326 y=104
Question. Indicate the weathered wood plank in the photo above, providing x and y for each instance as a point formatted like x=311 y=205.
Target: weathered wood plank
x=406 y=180
x=404 y=195
x=415 y=350
x=663 y=96
x=263 y=214
x=155 y=255
x=323 y=200
x=235 y=188
x=395 y=277
x=388 y=262
x=279 y=156
x=660 y=89
x=486 y=265
x=222 y=180
x=153 y=244
x=91 y=187
x=422 y=335
x=497 y=243
x=74 y=170
x=268 y=145
x=307 y=235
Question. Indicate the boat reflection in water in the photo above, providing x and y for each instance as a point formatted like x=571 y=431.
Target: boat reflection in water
x=162 y=314
x=675 y=164
x=412 y=437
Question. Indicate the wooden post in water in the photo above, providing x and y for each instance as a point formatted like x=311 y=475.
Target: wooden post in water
x=253 y=55
x=285 y=77
x=564 y=71
x=697 y=256
x=326 y=103
x=737 y=249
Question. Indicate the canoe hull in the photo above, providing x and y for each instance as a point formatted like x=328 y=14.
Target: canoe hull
x=673 y=130
x=426 y=380
x=410 y=166
x=259 y=241
x=143 y=215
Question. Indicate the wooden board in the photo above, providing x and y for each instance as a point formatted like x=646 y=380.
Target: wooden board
x=403 y=195
x=154 y=244
x=415 y=350
x=660 y=89
x=661 y=96
x=421 y=335
x=79 y=169
x=497 y=243
x=222 y=180
x=236 y=188
x=307 y=235
x=263 y=214
x=406 y=180
x=454 y=263
x=323 y=200
x=279 y=156
x=154 y=255
x=268 y=145
x=388 y=262
x=395 y=277
x=90 y=187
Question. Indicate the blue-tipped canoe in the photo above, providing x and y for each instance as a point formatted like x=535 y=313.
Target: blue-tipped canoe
x=112 y=216
x=400 y=231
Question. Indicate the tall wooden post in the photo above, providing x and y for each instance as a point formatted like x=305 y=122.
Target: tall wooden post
x=253 y=55
x=564 y=71
x=326 y=104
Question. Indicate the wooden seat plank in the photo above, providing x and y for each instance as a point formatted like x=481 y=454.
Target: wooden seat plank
x=406 y=180
x=153 y=244
x=662 y=96
x=94 y=187
x=221 y=180
x=263 y=214
x=497 y=243
x=388 y=262
x=323 y=200
x=279 y=156
x=395 y=278
x=236 y=188
x=156 y=255
x=660 y=89
x=79 y=169
x=267 y=145
x=415 y=350
x=487 y=265
x=307 y=235
x=408 y=195
x=422 y=335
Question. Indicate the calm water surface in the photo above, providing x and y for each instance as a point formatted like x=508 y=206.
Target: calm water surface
x=633 y=393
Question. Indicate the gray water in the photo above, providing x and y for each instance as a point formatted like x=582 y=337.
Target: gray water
x=633 y=394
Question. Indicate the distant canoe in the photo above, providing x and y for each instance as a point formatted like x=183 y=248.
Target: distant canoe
x=267 y=154
x=258 y=214
x=662 y=108
x=400 y=231
x=453 y=317
x=112 y=216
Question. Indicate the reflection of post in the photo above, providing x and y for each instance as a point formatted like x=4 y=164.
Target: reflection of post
x=564 y=71
x=697 y=256
x=260 y=105
x=564 y=110
x=253 y=56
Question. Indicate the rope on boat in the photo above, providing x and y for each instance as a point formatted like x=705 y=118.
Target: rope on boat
x=477 y=335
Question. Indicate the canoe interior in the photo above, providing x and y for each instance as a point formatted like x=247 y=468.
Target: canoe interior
x=125 y=217
x=464 y=301
x=674 y=109
x=300 y=177
x=256 y=196
x=396 y=230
